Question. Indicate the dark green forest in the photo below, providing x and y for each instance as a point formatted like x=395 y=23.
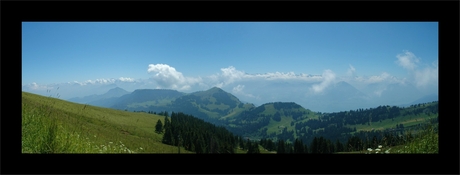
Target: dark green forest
x=327 y=134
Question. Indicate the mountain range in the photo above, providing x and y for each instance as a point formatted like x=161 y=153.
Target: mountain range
x=273 y=119
x=340 y=96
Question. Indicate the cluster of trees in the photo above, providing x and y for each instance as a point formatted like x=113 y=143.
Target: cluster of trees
x=348 y=142
x=333 y=126
x=251 y=147
x=316 y=133
x=288 y=109
x=286 y=105
x=321 y=145
x=318 y=146
x=248 y=122
x=366 y=117
x=196 y=135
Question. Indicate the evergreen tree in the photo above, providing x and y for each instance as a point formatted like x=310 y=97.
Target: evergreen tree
x=339 y=146
x=314 y=146
x=281 y=149
x=298 y=146
x=291 y=149
x=241 y=142
x=159 y=127
x=256 y=149
x=248 y=144
x=168 y=136
x=167 y=123
x=270 y=146
x=374 y=142
x=253 y=148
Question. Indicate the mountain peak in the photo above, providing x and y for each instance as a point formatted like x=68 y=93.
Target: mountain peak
x=215 y=89
x=117 y=89
x=115 y=92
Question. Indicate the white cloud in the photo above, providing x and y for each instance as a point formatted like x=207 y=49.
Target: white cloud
x=167 y=77
x=378 y=78
x=238 y=90
x=35 y=86
x=126 y=79
x=382 y=78
x=351 y=71
x=103 y=81
x=328 y=79
x=231 y=75
x=427 y=76
x=286 y=76
x=378 y=92
x=421 y=77
x=407 y=60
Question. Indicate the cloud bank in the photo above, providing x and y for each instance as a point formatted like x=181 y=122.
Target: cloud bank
x=422 y=78
x=167 y=77
x=407 y=60
x=260 y=87
x=328 y=79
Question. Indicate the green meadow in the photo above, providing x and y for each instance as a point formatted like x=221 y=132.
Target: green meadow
x=426 y=141
x=51 y=125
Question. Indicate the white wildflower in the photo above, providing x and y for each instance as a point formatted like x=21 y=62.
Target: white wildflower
x=380 y=146
x=377 y=149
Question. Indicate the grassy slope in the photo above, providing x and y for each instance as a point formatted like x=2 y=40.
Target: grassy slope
x=408 y=120
x=162 y=102
x=88 y=129
x=275 y=126
x=426 y=142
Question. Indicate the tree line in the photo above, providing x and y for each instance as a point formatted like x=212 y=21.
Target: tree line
x=195 y=134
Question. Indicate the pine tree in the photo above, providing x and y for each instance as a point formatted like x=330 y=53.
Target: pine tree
x=305 y=149
x=270 y=146
x=159 y=127
x=281 y=149
x=256 y=148
x=339 y=146
x=241 y=143
x=314 y=146
x=253 y=148
x=298 y=146
x=168 y=136
x=248 y=144
x=167 y=123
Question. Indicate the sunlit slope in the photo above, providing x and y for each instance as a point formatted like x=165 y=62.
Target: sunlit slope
x=87 y=129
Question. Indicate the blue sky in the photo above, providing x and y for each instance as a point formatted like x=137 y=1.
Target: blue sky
x=191 y=56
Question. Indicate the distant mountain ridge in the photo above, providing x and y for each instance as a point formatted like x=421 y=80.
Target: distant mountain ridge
x=145 y=97
x=424 y=99
x=283 y=120
x=100 y=99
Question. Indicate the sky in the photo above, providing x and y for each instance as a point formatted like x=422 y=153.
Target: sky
x=83 y=57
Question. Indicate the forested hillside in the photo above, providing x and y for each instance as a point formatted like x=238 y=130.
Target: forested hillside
x=197 y=135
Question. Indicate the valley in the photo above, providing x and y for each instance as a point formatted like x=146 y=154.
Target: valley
x=275 y=121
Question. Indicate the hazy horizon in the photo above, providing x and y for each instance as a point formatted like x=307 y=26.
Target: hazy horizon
x=256 y=61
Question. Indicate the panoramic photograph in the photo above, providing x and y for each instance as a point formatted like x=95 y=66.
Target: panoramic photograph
x=230 y=87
